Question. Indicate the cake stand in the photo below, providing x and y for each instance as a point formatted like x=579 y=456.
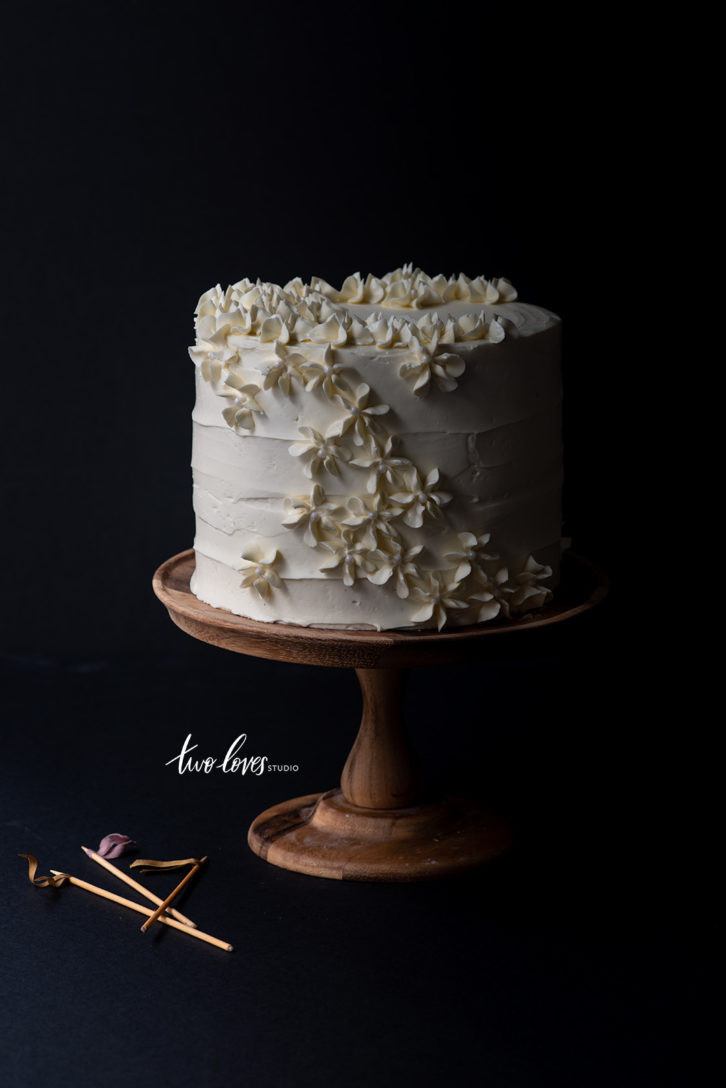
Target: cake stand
x=380 y=825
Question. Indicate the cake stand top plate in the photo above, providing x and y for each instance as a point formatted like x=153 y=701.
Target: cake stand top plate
x=582 y=585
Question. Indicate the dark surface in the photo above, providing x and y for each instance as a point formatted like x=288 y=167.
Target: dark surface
x=154 y=151
x=586 y=956
x=151 y=151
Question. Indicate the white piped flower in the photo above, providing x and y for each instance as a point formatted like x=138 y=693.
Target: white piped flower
x=315 y=513
x=240 y=414
x=527 y=593
x=503 y=594
x=260 y=574
x=475 y=327
x=353 y=289
x=361 y=416
x=395 y=562
x=421 y=498
x=439 y=596
x=325 y=373
x=334 y=330
x=286 y=367
x=374 y=521
x=382 y=466
x=274 y=328
x=494 y=596
x=350 y=555
x=322 y=453
x=383 y=329
x=427 y=366
x=471 y=555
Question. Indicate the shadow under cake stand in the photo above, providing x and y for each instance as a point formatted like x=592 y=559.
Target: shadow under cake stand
x=379 y=825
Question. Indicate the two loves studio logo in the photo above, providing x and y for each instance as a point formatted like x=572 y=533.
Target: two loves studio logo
x=188 y=761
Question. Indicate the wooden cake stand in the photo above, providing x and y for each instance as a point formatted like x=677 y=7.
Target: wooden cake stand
x=380 y=825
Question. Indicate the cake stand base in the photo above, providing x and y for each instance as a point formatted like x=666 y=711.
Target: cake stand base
x=323 y=835
x=381 y=825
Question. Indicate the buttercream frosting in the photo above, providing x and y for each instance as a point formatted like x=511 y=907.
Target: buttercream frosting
x=386 y=454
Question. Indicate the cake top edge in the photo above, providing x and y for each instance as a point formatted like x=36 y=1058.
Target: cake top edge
x=404 y=288
x=387 y=311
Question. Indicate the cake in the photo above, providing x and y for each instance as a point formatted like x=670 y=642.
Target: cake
x=380 y=456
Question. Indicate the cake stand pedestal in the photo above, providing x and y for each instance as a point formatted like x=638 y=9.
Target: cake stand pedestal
x=380 y=825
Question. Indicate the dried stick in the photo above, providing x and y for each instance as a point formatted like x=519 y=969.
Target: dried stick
x=143 y=910
x=135 y=884
x=160 y=909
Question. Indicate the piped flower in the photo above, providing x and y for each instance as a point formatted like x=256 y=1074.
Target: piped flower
x=321 y=452
x=528 y=594
x=382 y=467
x=502 y=594
x=494 y=595
x=421 y=498
x=428 y=365
x=397 y=562
x=240 y=414
x=284 y=369
x=361 y=417
x=471 y=554
x=260 y=574
x=372 y=521
x=326 y=374
x=352 y=556
x=315 y=513
x=438 y=594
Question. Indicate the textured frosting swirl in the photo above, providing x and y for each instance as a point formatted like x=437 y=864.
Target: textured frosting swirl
x=317 y=313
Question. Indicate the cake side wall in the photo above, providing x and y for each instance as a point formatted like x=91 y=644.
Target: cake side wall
x=494 y=440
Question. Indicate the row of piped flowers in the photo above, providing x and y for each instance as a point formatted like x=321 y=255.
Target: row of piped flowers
x=316 y=315
x=405 y=287
x=434 y=594
x=423 y=369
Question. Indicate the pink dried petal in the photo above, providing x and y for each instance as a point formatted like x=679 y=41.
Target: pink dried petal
x=113 y=846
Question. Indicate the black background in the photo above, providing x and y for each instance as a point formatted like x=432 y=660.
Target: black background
x=150 y=152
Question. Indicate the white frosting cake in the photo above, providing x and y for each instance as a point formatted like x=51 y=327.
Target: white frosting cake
x=386 y=455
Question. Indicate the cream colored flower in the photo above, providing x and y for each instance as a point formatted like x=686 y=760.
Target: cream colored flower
x=333 y=330
x=495 y=594
x=239 y=415
x=472 y=553
x=475 y=327
x=219 y=338
x=361 y=417
x=396 y=561
x=438 y=594
x=350 y=555
x=260 y=574
x=421 y=498
x=273 y=327
x=284 y=369
x=372 y=521
x=527 y=593
x=428 y=365
x=325 y=373
x=382 y=466
x=502 y=594
x=321 y=453
x=315 y=513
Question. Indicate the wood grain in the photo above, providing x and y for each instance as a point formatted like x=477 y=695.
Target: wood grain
x=381 y=771
x=377 y=827
x=322 y=835
x=582 y=586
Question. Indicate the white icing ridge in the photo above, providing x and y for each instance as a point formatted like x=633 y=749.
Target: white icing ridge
x=363 y=469
x=317 y=313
